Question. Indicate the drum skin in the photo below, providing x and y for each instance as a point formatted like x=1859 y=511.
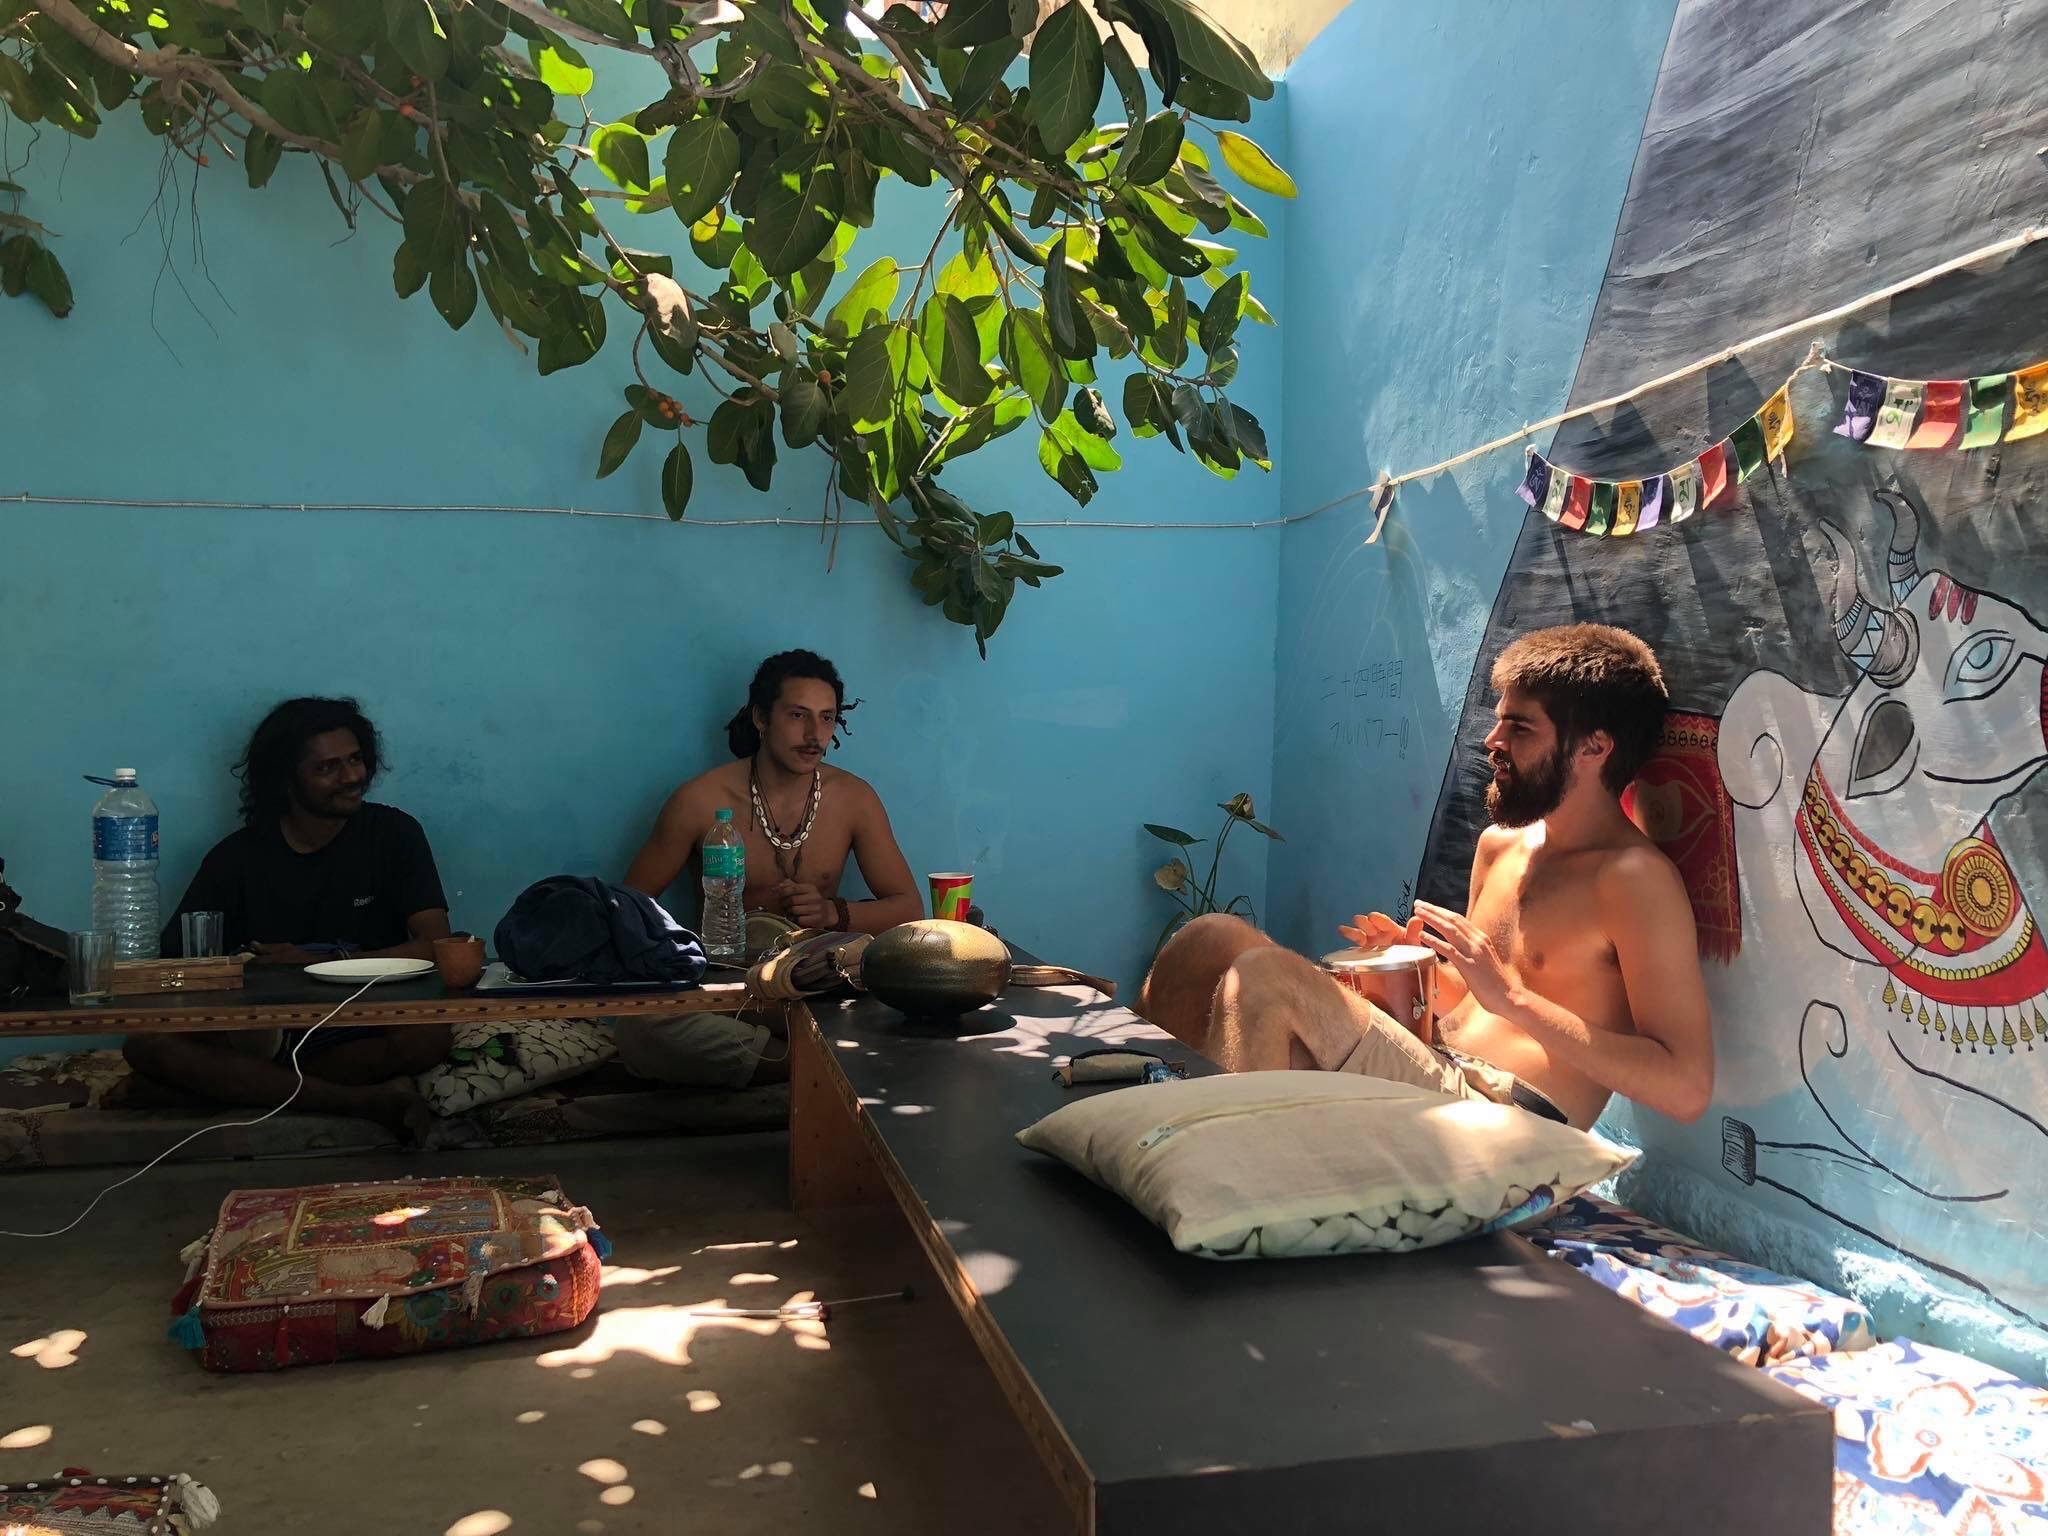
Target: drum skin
x=935 y=969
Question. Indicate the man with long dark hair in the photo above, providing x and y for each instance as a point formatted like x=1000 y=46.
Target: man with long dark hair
x=317 y=871
x=801 y=819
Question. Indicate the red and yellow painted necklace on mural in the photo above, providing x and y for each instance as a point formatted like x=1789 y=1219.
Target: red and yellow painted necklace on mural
x=1959 y=938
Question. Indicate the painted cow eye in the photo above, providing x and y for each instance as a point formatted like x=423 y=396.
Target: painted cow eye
x=1979 y=666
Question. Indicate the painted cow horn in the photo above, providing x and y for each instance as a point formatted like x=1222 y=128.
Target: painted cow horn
x=1858 y=622
x=1903 y=563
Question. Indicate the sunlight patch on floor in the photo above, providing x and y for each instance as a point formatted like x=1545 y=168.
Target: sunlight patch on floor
x=484 y=1522
x=54 y=1351
x=26 y=1438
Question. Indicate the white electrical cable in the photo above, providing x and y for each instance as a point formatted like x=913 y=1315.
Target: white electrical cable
x=230 y=1125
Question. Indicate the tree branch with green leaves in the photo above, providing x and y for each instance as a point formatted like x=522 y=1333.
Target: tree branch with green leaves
x=1071 y=247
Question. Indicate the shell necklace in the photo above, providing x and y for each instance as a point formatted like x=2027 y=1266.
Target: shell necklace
x=793 y=845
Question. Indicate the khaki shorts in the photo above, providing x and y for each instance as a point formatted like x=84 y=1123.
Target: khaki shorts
x=696 y=1050
x=1386 y=1050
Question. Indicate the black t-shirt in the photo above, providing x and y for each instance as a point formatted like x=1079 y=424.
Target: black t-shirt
x=359 y=890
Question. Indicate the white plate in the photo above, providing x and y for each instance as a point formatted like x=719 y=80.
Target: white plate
x=369 y=970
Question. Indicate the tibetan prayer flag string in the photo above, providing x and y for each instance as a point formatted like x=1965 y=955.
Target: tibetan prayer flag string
x=1939 y=414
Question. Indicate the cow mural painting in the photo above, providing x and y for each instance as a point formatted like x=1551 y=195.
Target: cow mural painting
x=1855 y=640
x=1920 y=1055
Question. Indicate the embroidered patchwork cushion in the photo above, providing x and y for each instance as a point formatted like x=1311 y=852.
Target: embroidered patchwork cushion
x=1287 y=1164
x=1929 y=1443
x=489 y=1062
x=346 y=1271
x=1755 y=1314
x=77 y=1503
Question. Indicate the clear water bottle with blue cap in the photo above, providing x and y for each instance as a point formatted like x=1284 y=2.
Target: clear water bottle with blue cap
x=125 y=842
x=725 y=882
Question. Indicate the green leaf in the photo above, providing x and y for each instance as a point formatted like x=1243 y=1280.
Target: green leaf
x=1207 y=49
x=452 y=287
x=416 y=33
x=798 y=215
x=618 y=442
x=1220 y=314
x=359 y=150
x=985 y=68
x=1093 y=415
x=604 y=16
x=702 y=160
x=408 y=269
x=1095 y=452
x=17 y=92
x=716 y=238
x=1066 y=466
x=576 y=327
x=647 y=405
x=1027 y=352
x=1129 y=83
x=953 y=348
x=561 y=68
x=971 y=22
x=968 y=277
x=1173 y=835
x=872 y=380
x=260 y=156
x=805 y=410
x=786 y=96
x=267 y=14
x=620 y=151
x=677 y=477
x=1245 y=433
x=16 y=252
x=1254 y=167
x=1066 y=77
x=869 y=299
x=1170 y=341
x=433 y=224
x=1158 y=144
x=1070 y=334
x=46 y=280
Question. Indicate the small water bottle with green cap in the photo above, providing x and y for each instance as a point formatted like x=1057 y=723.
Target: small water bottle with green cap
x=725 y=883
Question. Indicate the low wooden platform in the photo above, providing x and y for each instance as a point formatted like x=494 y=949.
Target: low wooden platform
x=1481 y=1387
x=289 y=999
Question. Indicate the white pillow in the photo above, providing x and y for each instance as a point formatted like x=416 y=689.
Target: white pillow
x=1285 y=1164
x=489 y=1062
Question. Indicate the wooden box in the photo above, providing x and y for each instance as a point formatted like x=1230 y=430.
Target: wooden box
x=217 y=973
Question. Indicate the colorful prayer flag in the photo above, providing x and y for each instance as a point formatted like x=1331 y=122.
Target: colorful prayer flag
x=1653 y=501
x=1685 y=491
x=1987 y=411
x=1536 y=484
x=1577 y=502
x=1628 y=506
x=1748 y=443
x=1896 y=416
x=1601 y=517
x=1777 y=419
x=1939 y=414
x=1560 y=487
x=2029 y=403
x=1859 y=411
x=1713 y=475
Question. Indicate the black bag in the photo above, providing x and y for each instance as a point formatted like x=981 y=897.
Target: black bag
x=578 y=928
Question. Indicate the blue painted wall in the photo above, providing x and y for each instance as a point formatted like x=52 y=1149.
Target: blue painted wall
x=1461 y=165
x=544 y=680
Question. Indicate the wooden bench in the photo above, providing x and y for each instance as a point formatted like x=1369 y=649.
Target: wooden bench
x=1481 y=1387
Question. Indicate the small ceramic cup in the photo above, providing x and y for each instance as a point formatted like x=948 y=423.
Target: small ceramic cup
x=460 y=959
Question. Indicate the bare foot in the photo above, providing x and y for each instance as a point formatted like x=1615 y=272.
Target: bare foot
x=401 y=1109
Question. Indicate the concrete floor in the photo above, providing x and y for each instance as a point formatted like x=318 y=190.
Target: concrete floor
x=884 y=1419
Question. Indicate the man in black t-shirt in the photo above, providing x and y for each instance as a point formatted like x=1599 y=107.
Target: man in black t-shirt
x=316 y=872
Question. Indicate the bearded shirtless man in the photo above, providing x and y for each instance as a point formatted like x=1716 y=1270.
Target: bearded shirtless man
x=1574 y=973
x=801 y=819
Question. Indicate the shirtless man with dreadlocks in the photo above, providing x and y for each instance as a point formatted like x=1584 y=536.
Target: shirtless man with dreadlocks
x=800 y=818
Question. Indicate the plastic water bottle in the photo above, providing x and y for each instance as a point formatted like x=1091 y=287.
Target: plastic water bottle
x=725 y=882
x=124 y=857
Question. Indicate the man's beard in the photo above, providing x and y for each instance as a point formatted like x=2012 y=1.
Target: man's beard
x=1527 y=798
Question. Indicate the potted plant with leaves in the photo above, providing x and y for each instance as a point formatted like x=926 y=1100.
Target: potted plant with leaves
x=1176 y=876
